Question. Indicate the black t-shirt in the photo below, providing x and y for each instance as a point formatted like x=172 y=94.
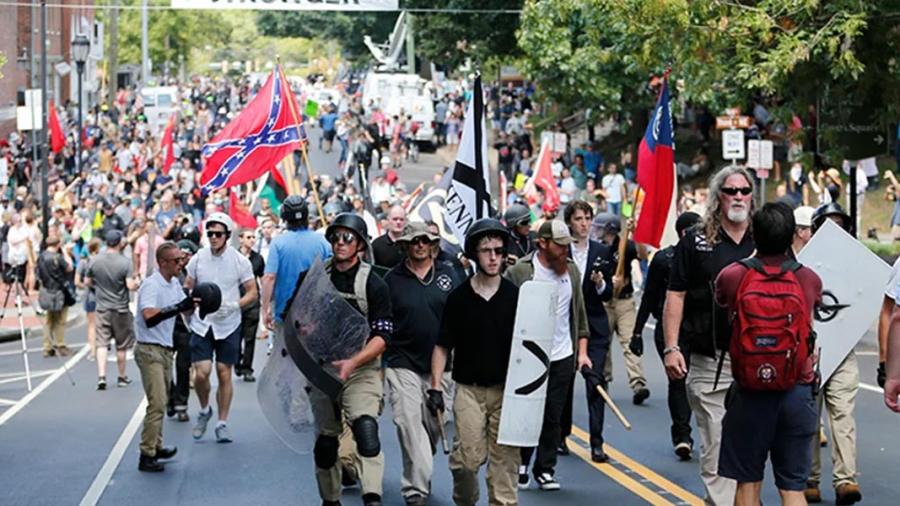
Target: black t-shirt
x=417 y=308
x=378 y=299
x=694 y=269
x=387 y=252
x=480 y=333
x=613 y=261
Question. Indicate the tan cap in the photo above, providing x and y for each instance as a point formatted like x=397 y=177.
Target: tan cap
x=556 y=231
x=415 y=229
x=803 y=216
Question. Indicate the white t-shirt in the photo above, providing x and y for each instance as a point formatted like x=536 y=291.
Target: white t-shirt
x=156 y=292
x=562 y=336
x=612 y=185
x=18 y=247
x=893 y=285
x=229 y=271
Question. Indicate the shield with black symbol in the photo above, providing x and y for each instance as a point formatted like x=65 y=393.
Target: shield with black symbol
x=319 y=327
x=529 y=365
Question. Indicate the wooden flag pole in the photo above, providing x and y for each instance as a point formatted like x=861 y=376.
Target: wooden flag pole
x=623 y=243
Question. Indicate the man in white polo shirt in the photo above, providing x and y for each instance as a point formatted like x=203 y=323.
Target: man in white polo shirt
x=219 y=333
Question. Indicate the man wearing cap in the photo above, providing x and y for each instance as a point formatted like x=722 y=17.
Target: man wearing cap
x=218 y=334
x=551 y=262
x=803 y=228
x=419 y=289
x=110 y=276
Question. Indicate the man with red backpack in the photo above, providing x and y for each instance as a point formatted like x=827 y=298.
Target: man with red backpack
x=771 y=408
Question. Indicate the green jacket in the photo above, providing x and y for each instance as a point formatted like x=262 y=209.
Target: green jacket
x=523 y=271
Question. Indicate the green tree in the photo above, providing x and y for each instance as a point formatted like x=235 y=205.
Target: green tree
x=345 y=28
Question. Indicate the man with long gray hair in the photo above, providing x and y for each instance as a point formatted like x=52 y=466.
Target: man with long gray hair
x=696 y=331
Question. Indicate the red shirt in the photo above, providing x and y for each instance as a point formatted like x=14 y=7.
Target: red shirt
x=730 y=278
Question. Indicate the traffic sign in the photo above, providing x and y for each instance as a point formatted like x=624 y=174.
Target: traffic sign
x=733 y=144
x=760 y=154
x=727 y=122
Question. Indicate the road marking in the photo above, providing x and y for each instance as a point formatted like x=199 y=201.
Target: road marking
x=867 y=353
x=644 y=472
x=98 y=486
x=21 y=376
x=11 y=412
x=7 y=402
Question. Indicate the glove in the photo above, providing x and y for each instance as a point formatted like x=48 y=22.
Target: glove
x=636 y=345
x=882 y=375
x=435 y=401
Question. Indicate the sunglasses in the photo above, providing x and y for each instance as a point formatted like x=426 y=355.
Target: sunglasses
x=215 y=234
x=173 y=259
x=731 y=190
x=496 y=251
x=421 y=240
x=345 y=237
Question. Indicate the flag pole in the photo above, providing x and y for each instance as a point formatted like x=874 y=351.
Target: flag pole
x=309 y=172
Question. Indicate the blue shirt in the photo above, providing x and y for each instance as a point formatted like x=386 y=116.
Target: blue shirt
x=592 y=160
x=291 y=254
x=327 y=121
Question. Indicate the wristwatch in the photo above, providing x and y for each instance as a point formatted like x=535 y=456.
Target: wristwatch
x=670 y=349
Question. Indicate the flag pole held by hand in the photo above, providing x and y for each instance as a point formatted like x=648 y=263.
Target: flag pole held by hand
x=589 y=375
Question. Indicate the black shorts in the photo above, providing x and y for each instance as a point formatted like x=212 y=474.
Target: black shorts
x=760 y=424
x=328 y=134
x=226 y=350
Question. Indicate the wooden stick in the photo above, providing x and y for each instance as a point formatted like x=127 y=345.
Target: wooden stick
x=612 y=405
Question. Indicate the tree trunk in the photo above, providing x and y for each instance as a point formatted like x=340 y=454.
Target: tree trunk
x=112 y=77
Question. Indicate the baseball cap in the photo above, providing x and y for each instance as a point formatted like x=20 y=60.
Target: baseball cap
x=113 y=238
x=556 y=231
x=803 y=216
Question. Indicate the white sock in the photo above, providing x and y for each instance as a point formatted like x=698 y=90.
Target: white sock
x=220 y=423
x=207 y=411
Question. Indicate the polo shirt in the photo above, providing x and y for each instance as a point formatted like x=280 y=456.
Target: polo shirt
x=387 y=252
x=156 y=292
x=480 y=333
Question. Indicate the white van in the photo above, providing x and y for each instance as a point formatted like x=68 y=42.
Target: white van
x=406 y=93
x=159 y=104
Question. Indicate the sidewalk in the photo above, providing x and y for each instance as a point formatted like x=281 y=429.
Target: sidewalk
x=9 y=324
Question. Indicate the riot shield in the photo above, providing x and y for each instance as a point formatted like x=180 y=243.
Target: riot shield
x=319 y=327
x=529 y=365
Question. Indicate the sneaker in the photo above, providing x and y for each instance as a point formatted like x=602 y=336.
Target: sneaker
x=49 y=353
x=222 y=434
x=371 y=499
x=101 y=384
x=524 y=478
x=64 y=351
x=640 y=395
x=546 y=481
x=202 y=420
x=415 y=500
x=248 y=377
x=123 y=381
x=170 y=411
x=182 y=416
x=683 y=450
x=563 y=449
x=599 y=456
x=150 y=464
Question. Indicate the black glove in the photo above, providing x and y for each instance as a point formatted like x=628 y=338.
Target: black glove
x=636 y=345
x=881 y=374
x=169 y=312
x=435 y=401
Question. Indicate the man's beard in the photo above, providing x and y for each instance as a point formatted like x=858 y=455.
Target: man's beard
x=738 y=215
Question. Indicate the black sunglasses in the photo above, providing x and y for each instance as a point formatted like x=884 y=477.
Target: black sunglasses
x=345 y=237
x=731 y=190
x=215 y=233
x=422 y=239
x=497 y=251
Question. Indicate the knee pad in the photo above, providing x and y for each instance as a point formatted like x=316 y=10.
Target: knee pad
x=365 y=433
x=326 y=452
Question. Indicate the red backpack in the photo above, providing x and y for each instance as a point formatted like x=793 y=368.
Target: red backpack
x=772 y=335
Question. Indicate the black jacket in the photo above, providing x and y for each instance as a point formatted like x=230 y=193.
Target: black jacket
x=598 y=322
x=654 y=297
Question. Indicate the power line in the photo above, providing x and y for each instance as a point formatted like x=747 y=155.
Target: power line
x=158 y=7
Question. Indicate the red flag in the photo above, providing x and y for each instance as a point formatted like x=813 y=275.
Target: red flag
x=166 y=146
x=543 y=178
x=263 y=134
x=239 y=213
x=656 y=173
x=57 y=137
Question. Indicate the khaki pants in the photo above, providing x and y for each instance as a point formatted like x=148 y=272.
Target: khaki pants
x=406 y=392
x=621 y=314
x=839 y=398
x=477 y=416
x=155 y=364
x=362 y=395
x=55 y=329
x=708 y=406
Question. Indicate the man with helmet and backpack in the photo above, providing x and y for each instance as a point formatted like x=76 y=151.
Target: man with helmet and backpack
x=361 y=395
x=770 y=408
x=518 y=222
x=838 y=396
x=218 y=334
x=477 y=326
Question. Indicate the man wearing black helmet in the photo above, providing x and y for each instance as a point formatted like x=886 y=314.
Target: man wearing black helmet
x=218 y=334
x=838 y=397
x=652 y=302
x=362 y=393
x=180 y=383
x=477 y=326
x=518 y=222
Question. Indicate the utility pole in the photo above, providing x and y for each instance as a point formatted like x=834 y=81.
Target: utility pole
x=44 y=167
x=112 y=70
x=145 y=56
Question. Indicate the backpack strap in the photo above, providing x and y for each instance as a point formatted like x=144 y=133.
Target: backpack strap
x=790 y=265
x=754 y=264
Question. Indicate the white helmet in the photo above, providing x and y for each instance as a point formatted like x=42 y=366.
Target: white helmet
x=222 y=218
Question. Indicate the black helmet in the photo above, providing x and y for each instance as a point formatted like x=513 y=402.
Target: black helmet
x=188 y=246
x=481 y=228
x=516 y=214
x=350 y=221
x=190 y=232
x=607 y=223
x=294 y=209
x=831 y=209
x=210 y=297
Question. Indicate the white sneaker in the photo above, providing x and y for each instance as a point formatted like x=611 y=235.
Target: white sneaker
x=547 y=482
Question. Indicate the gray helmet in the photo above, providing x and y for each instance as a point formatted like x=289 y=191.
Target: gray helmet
x=831 y=209
x=294 y=209
x=516 y=214
x=352 y=222
x=210 y=297
x=606 y=223
x=481 y=228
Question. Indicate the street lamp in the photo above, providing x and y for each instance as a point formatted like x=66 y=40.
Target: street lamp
x=81 y=46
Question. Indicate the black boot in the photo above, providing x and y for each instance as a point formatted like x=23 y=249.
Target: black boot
x=150 y=464
x=166 y=452
x=371 y=500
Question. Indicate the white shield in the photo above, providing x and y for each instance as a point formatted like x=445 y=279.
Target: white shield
x=529 y=365
x=853 y=281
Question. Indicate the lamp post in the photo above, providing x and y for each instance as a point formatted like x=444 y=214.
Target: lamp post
x=81 y=46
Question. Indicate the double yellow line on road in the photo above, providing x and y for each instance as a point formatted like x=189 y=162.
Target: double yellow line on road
x=634 y=476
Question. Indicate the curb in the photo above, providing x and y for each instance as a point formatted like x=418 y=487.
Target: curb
x=73 y=318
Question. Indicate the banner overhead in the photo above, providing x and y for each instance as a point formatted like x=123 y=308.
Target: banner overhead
x=289 y=5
